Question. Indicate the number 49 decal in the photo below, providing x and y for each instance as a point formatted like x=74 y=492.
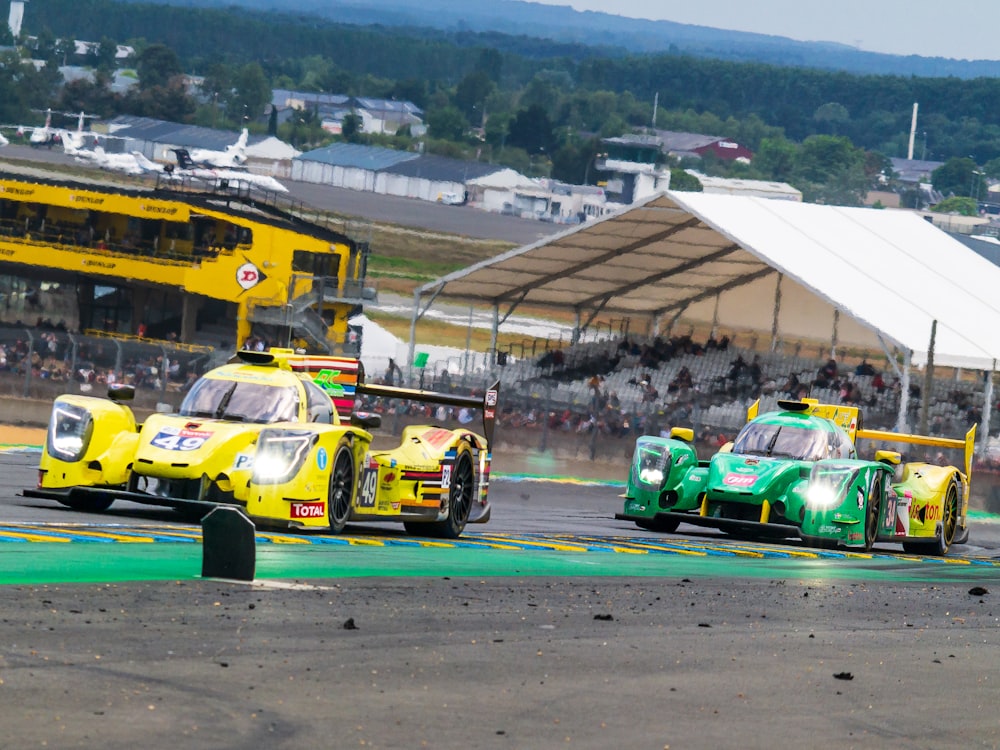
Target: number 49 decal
x=369 y=486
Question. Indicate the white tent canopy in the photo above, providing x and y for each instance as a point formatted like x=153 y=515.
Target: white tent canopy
x=860 y=277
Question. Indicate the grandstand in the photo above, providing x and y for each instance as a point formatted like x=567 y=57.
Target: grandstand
x=172 y=259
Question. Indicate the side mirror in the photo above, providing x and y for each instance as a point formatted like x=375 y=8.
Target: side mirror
x=682 y=433
x=366 y=420
x=119 y=392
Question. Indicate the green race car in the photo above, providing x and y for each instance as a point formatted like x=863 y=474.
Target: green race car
x=796 y=472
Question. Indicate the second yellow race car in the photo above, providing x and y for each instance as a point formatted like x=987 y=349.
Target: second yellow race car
x=273 y=433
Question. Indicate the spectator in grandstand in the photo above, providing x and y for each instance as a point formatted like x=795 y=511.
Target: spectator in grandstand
x=826 y=376
x=791 y=386
x=681 y=382
x=649 y=393
x=865 y=368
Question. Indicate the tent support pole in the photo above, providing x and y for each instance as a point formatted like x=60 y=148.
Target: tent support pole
x=495 y=334
x=417 y=315
x=715 y=317
x=904 y=393
x=925 y=401
x=576 y=328
x=777 y=312
x=590 y=319
x=836 y=333
x=984 y=438
x=890 y=358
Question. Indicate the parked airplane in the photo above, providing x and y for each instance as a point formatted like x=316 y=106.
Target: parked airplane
x=188 y=168
x=234 y=155
x=46 y=135
x=125 y=163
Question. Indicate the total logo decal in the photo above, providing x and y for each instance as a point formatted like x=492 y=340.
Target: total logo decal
x=739 y=480
x=308 y=510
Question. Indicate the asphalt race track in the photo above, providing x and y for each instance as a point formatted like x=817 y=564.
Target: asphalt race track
x=552 y=626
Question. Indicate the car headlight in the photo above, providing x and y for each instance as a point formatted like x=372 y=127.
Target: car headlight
x=280 y=454
x=822 y=496
x=70 y=430
x=651 y=464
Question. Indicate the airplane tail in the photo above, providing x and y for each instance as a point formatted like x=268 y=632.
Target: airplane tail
x=184 y=160
x=237 y=151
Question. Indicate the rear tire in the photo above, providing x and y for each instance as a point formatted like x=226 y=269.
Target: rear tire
x=939 y=546
x=340 y=494
x=460 y=498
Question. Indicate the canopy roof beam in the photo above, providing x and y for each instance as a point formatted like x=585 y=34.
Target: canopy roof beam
x=603 y=258
x=732 y=284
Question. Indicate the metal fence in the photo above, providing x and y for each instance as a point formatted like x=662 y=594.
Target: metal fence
x=42 y=364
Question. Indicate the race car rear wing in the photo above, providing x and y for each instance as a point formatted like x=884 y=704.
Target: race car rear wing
x=849 y=418
x=487 y=403
x=344 y=377
x=967 y=445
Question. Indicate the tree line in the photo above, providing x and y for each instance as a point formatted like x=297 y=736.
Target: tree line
x=533 y=104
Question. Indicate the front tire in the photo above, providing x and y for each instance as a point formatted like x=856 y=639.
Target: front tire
x=341 y=488
x=89 y=503
x=872 y=512
x=663 y=525
x=460 y=498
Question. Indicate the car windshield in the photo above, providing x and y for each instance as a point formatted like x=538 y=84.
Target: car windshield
x=241 y=402
x=782 y=441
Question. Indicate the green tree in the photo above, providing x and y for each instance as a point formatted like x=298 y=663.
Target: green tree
x=272 y=121
x=350 y=128
x=157 y=65
x=250 y=95
x=106 y=55
x=531 y=130
x=963 y=206
x=447 y=123
x=682 y=180
x=959 y=177
x=775 y=159
x=470 y=94
x=830 y=169
x=832 y=116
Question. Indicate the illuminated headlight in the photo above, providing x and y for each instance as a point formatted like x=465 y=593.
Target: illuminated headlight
x=280 y=455
x=651 y=476
x=823 y=496
x=70 y=430
x=651 y=464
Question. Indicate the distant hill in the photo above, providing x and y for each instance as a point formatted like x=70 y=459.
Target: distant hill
x=615 y=33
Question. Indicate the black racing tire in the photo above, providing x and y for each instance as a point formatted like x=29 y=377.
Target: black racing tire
x=461 y=495
x=662 y=525
x=89 y=503
x=873 y=508
x=343 y=482
x=939 y=546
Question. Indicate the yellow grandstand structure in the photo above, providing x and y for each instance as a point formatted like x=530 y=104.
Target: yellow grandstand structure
x=163 y=260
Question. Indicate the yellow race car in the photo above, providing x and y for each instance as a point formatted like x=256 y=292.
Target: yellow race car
x=274 y=433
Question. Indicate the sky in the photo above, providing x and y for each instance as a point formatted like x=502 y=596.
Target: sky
x=961 y=29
